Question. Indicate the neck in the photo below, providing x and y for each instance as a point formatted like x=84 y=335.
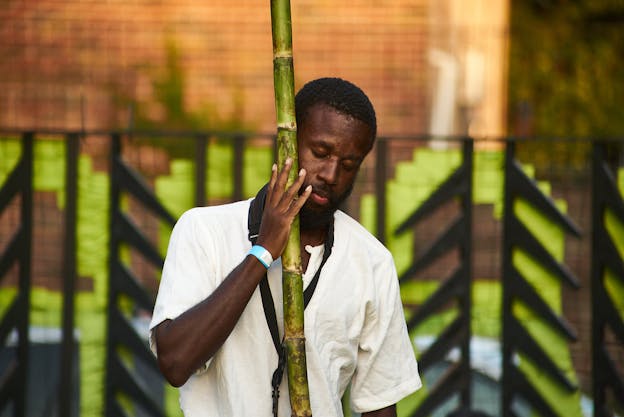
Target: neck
x=313 y=237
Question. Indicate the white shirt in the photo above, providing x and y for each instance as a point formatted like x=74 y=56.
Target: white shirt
x=354 y=324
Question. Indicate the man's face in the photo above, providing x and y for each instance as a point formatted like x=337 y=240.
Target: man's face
x=332 y=147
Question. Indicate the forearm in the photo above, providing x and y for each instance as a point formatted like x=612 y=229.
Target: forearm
x=186 y=343
x=384 y=412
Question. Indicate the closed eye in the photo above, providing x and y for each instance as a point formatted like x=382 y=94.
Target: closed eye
x=320 y=153
x=350 y=165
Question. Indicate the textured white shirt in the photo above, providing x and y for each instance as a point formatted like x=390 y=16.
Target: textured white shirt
x=354 y=324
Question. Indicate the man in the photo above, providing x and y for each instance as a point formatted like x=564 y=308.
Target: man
x=211 y=327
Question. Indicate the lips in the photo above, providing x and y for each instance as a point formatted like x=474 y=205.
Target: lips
x=319 y=199
x=320 y=196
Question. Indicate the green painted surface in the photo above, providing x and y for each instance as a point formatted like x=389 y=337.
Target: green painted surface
x=7 y=298
x=10 y=151
x=257 y=169
x=417 y=178
x=220 y=159
x=172 y=402
x=176 y=192
x=615 y=227
x=92 y=255
x=488 y=180
x=93 y=208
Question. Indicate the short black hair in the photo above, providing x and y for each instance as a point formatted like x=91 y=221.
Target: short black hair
x=342 y=95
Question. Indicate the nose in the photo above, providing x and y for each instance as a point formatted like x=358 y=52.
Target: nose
x=329 y=171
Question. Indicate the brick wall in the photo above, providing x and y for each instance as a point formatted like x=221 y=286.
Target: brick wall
x=65 y=62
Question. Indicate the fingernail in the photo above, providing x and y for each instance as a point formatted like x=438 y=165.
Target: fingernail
x=288 y=161
x=302 y=172
x=309 y=188
x=274 y=167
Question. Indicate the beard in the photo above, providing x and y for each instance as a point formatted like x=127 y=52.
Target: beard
x=313 y=217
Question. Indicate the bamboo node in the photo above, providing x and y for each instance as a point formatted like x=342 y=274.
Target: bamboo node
x=287 y=126
x=283 y=55
x=295 y=338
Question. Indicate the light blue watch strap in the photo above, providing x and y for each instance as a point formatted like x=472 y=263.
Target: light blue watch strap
x=263 y=255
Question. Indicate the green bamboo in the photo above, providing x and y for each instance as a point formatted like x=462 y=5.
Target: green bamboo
x=284 y=83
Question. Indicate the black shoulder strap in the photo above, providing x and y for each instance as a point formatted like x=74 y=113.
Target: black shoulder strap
x=255 y=214
x=253 y=224
x=329 y=244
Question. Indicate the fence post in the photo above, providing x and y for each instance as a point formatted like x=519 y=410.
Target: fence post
x=380 y=186
x=237 y=167
x=66 y=382
x=200 y=170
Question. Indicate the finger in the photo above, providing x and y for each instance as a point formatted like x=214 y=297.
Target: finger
x=282 y=179
x=299 y=202
x=293 y=190
x=272 y=180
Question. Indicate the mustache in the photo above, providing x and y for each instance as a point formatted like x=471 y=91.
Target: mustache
x=324 y=191
x=313 y=217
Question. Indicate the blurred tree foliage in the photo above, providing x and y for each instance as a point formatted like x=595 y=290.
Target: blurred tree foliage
x=566 y=74
x=567 y=67
x=167 y=108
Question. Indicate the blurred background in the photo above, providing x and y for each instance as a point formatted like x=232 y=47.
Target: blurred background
x=116 y=116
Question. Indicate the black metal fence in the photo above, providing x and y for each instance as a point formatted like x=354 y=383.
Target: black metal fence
x=482 y=243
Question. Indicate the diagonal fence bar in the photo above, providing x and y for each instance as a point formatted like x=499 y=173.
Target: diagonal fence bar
x=13 y=378
x=607 y=200
x=456 y=379
x=125 y=385
x=516 y=340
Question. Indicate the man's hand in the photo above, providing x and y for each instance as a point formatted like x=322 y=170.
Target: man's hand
x=280 y=208
x=187 y=342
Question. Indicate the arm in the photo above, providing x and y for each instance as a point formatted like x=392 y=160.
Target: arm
x=386 y=370
x=187 y=342
x=384 y=412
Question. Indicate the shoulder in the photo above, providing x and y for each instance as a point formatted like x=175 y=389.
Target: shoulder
x=214 y=216
x=212 y=222
x=351 y=236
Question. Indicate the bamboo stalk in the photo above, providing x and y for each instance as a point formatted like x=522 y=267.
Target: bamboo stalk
x=292 y=282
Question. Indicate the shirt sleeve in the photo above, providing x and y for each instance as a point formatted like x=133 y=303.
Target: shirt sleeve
x=386 y=368
x=187 y=276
